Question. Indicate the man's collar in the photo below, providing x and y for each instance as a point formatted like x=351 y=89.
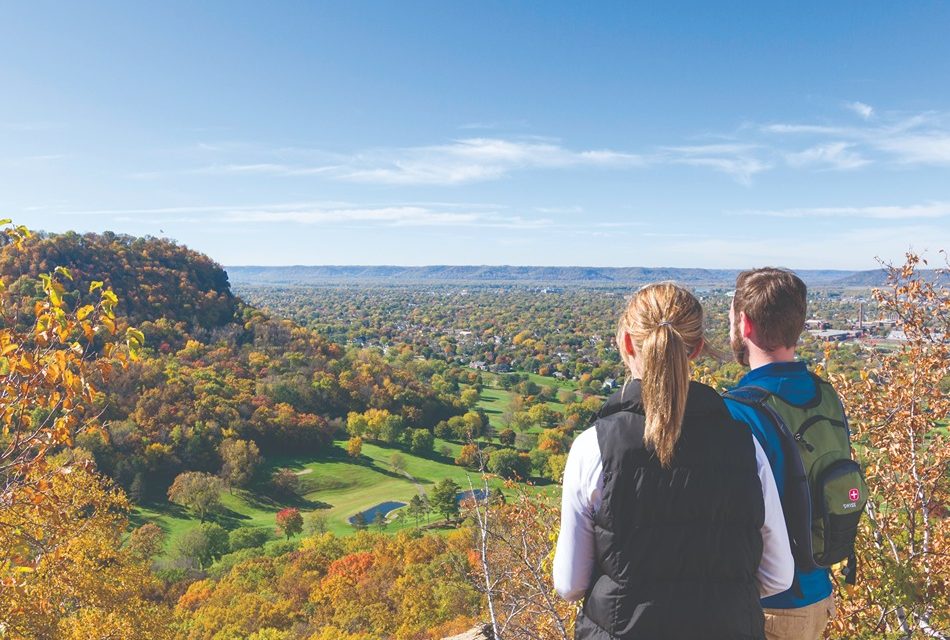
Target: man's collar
x=774 y=369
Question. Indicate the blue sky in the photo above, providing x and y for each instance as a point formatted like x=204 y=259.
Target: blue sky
x=813 y=135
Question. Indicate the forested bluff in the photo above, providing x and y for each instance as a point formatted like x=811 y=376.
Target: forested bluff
x=177 y=462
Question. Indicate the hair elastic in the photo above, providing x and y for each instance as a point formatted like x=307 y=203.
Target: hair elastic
x=664 y=323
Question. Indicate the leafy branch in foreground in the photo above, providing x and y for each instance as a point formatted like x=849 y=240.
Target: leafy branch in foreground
x=899 y=417
x=62 y=571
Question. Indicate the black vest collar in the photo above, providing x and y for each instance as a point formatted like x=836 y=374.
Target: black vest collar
x=699 y=400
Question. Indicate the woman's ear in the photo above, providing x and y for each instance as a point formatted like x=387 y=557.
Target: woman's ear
x=628 y=345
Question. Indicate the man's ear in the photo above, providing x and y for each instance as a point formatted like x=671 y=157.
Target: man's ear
x=745 y=325
x=628 y=345
x=698 y=350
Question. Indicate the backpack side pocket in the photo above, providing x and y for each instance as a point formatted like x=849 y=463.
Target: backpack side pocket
x=839 y=499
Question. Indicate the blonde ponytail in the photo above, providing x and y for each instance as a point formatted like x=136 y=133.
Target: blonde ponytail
x=665 y=325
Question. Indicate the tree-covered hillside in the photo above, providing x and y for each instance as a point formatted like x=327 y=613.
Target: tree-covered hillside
x=153 y=278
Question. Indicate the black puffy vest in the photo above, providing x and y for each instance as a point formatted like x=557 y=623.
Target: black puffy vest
x=677 y=548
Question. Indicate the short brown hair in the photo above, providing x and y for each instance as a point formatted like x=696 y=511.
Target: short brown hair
x=775 y=301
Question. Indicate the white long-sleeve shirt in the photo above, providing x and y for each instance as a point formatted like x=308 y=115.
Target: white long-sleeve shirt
x=574 y=558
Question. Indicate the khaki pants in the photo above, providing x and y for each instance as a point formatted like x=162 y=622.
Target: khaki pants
x=805 y=623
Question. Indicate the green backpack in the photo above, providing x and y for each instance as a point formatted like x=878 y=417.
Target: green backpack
x=825 y=492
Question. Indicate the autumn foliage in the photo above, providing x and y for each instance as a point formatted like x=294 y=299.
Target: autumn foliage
x=63 y=573
x=289 y=522
x=366 y=585
x=898 y=410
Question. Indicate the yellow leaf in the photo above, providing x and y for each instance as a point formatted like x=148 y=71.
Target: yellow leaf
x=24 y=365
x=84 y=311
x=135 y=335
x=54 y=297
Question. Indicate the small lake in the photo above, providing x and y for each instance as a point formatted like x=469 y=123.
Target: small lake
x=382 y=508
x=386 y=507
x=465 y=495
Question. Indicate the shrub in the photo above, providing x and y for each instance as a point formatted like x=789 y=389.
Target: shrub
x=247 y=538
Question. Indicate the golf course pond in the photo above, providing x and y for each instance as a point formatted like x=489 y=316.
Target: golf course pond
x=385 y=508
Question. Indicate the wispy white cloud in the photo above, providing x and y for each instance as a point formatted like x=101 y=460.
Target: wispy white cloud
x=618 y=225
x=489 y=125
x=880 y=212
x=474 y=159
x=863 y=110
x=851 y=249
x=559 y=210
x=333 y=213
x=392 y=216
x=922 y=138
x=834 y=155
x=931 y=148
x=880 y=138
x=257 y=167
x=816 y=129
x=459 y=162
x=739 y=160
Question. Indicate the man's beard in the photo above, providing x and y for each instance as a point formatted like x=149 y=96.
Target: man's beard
x=739 y=349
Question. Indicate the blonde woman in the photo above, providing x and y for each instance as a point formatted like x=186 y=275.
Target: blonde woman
x=671 y=526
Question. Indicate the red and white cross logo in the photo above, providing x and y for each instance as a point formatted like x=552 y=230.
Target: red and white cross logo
x=853 y=495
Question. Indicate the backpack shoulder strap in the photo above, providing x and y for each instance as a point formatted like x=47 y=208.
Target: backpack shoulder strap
x=749 y=394
x=823 y=386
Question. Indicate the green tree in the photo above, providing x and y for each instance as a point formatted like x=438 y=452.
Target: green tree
x=240 y=460
x=422 y=442
x=509 y=464
x=197 y=491
x=203 y=544
x=247 y=538
x=543 y=416
x=444 y=498
x=316 y=522
x=137 y=489
x=473 y=425
x=398 y=462
x=285 y=482
x=415 y=508
x=469 y=397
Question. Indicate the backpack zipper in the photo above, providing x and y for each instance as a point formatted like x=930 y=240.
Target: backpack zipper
x=800 y=434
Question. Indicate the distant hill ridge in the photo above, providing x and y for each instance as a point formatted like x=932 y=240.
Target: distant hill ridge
x=599 y=276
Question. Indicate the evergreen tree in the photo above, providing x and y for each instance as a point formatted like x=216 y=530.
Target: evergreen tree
x=444 y=498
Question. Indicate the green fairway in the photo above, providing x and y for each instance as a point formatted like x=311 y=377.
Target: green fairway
x=494 y=400
x=337 y=486
x=332 y=484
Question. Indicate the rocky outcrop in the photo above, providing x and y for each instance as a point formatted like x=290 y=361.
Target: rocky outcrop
x=479 y=633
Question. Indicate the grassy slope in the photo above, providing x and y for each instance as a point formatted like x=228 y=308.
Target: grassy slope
x=334 y=484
